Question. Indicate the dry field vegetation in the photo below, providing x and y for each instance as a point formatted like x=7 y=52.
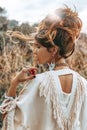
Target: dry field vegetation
x=16 y=52
x=78 y=61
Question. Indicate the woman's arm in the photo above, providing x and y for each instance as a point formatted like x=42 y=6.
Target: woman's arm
x=22 y=76
x=12 y=90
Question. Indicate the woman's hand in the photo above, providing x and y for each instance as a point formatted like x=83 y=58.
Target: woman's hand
x=25 y=74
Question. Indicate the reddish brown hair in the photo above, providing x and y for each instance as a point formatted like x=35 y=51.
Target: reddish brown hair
x=62 y=29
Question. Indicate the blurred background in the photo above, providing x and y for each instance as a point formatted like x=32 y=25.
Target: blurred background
x=18 y=23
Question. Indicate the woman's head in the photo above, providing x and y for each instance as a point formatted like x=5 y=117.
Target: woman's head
x=59 y=29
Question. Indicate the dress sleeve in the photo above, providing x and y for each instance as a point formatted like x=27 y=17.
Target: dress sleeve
x=83 y=114
x=16 y=108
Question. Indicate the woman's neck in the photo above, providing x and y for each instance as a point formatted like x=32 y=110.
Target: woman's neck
x=61 y=64
x=61 y=60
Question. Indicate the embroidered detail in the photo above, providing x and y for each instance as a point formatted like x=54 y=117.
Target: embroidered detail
x=8 y=122
x=8 y=107
x=49 y=91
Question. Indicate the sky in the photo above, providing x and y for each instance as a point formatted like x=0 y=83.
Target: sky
x=33 y=11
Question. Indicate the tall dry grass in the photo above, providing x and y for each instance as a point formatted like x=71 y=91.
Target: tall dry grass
x=15 y=53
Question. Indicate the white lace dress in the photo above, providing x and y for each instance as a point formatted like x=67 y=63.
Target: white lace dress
x=42 y=105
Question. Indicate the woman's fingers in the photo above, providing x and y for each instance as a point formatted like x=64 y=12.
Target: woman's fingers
x=26 y=74
x=27 y=78
x=30 y=71
x=33 y=71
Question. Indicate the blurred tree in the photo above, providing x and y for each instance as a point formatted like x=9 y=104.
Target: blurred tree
x=12 y=24
x=3 y=19
x=26 y=28
x=2 y=11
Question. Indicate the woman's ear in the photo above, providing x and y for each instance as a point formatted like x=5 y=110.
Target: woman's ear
x=54 y=50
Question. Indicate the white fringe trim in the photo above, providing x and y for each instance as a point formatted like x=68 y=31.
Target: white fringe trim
x=48 y=90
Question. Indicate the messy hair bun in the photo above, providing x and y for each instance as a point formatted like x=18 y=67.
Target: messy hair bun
x=61 y=28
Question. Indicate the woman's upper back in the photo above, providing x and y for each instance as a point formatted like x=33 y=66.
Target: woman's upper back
x=66 y=90
x=65 y=79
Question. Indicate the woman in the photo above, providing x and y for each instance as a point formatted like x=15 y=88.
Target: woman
x=55 y=99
